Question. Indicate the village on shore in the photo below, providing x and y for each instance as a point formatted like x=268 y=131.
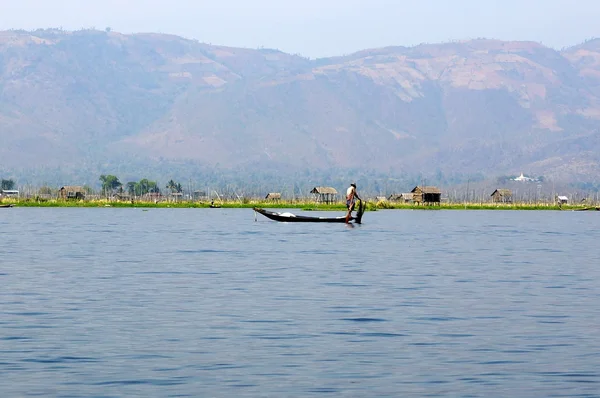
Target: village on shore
x=147 y=194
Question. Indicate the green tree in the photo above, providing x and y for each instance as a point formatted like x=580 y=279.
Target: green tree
x=8 y=184
x=131 y=188
x=109 y=183
x=173 y=186
x=153 y=187
x=145 y=186
x=142 y=187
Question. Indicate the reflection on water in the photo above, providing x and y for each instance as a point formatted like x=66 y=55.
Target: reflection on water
x=208 y=302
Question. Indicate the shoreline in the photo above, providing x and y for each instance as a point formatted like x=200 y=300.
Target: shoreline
x=302 y=205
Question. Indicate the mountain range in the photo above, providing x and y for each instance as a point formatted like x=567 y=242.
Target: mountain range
x=98 y=101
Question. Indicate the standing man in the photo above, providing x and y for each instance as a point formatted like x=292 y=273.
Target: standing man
x=351 y=196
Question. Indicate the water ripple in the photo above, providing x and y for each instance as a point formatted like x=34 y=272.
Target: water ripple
x=195 y=302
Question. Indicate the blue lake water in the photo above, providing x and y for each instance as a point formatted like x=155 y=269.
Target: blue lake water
x=209 y=302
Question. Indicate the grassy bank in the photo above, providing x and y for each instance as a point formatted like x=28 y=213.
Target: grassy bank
x=481 y=206
x=303 y=205
x=308 y=205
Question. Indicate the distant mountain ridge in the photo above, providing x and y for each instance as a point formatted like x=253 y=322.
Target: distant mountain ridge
x=97 y=100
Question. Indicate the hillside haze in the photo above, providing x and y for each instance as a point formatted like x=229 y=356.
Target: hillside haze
x=99 y=101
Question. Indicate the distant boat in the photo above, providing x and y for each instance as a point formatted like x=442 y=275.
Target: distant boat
x=8 y=205
x=289 y=217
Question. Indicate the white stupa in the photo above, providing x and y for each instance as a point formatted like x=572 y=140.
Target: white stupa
x=523 y=178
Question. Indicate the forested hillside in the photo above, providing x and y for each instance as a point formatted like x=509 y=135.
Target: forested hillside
x=74 y=105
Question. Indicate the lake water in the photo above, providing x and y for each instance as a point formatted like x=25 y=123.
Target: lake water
x=114 y=302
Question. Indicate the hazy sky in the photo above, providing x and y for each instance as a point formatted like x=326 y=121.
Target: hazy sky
x=317 y=28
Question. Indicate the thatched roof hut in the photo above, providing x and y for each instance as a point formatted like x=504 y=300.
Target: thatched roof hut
x=405 y=197
x=273 y=196
x=427 y=194
x=324 y=190
x=501 y=195
x=71 y=192
x=324 y=194
x=121 y=196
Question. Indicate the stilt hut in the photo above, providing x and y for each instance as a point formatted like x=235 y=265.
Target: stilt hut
x=426 y=195
x=502 y=196
x=273 y=196
x=121 y=197
x=176 y=196
x=200 y=195
x=71 y=192
x=324 y=194
x=406 y=197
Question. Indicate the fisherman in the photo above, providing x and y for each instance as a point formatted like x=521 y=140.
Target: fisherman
x=351 y=196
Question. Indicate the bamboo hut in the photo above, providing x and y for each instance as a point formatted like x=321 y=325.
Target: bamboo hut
x=71 y=192
x=274 y=196
x=406 y=197
x=426 y=195
x=502 y=196
x=324 y=194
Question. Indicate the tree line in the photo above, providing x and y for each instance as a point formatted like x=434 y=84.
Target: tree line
x=111 y=185
x=7 y=185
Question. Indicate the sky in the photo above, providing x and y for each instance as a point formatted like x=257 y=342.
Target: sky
x=319 y=28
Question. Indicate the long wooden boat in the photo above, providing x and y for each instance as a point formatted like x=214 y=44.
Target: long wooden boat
x=289 y=217
x=8 y=205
